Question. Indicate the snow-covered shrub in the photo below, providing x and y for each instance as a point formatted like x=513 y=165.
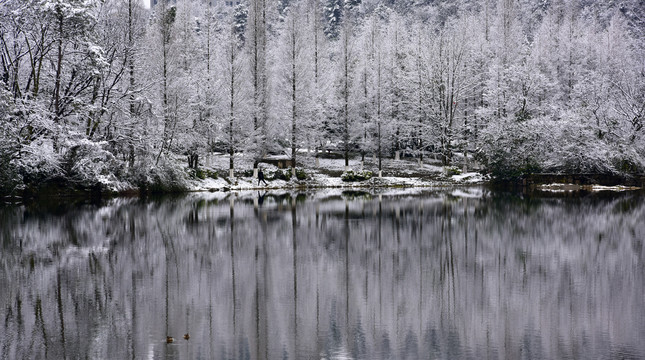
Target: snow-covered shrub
x=9 y=178
x=201 y=174
x=584 y=148
x=165 y=177
x=195 y=174
x=281 y=175
x=565 y=145
x=452 y=170
x=511 y=149
x=247 y=173
x=39 y=163
x=286 y=174
x=351 y=175
x=211 y=174
x=87 y=163
x=301 y=174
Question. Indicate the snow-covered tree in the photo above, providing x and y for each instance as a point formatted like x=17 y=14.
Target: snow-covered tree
x=294 y=80
x=333 y=13
x=234 y=83
x=547 y=86
x=256 y=44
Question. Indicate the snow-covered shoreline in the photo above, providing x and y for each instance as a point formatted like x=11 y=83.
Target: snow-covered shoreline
x=321 y=181
x=325 y=174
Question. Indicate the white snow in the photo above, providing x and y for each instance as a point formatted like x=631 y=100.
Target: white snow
x=401 y=173
x=469 y=177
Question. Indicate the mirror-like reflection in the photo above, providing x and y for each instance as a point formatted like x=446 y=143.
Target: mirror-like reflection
x=465 y=274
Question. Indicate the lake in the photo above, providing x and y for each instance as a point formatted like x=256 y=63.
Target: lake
x=449 y=274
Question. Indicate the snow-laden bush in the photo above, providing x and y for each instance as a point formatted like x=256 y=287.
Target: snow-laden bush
x=164 y=177
x=452 y=170
x=301 y=174
x=9 y=178
x=279 y=174
x=202 y=174
x=581 y=150
x=351 y=175
x=286 y=174
x=512 y=149
x=39 y=163
x=87 y=163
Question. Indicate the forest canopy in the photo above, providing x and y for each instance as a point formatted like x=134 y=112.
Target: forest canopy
x=110 y=92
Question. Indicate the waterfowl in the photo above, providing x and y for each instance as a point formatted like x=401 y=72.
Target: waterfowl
x=169 y=339
x=186 y=336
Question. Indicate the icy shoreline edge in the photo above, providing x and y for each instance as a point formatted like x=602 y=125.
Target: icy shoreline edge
x=544 y=183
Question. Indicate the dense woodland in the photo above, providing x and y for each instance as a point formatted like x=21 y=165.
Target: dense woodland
x=111 y=91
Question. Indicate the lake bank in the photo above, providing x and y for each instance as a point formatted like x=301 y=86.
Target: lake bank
x=552 y=183
x=61 y=190
x=327 y=173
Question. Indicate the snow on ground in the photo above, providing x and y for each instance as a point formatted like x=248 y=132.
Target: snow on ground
x=396 y=173
x=469 y=178
x=317 y=180
x=221 y=161
x=334 y=164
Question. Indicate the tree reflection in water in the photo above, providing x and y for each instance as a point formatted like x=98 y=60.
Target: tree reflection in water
x=333 y=275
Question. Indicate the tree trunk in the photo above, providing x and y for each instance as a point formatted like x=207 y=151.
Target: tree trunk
x=231 y=148
x=346 y=93
x=293 y=95
x=130 y=56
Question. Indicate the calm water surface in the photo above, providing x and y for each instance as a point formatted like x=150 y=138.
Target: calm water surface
x=457 y=274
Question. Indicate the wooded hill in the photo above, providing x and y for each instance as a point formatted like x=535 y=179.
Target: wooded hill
x=109 y=91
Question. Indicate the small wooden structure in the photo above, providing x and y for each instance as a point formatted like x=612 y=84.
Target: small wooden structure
x=281 y=161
